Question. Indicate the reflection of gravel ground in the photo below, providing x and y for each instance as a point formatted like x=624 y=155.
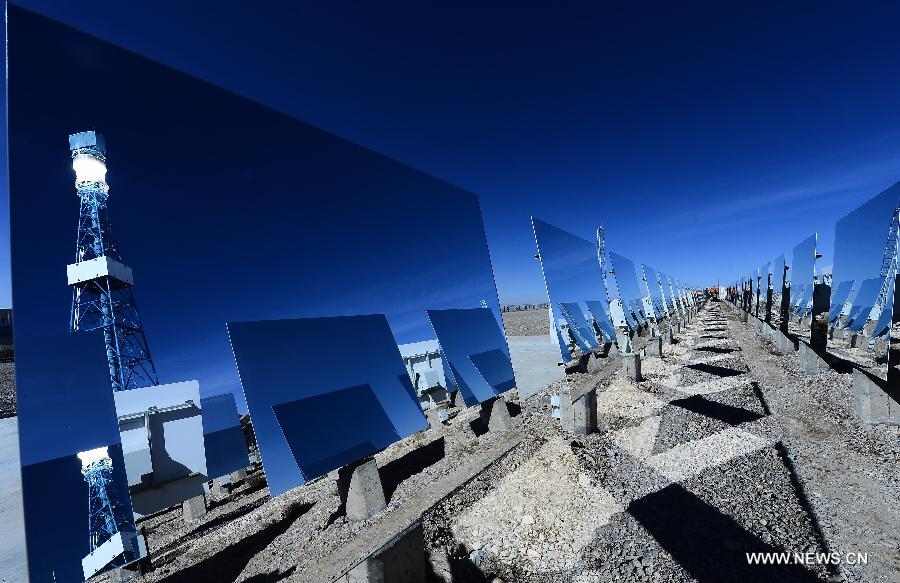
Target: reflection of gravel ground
x=7 y=389
x=526 y=323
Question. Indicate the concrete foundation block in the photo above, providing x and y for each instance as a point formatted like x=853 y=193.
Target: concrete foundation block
x=194 y=510
x=871 y=404
x=566 y=413
x=221 y=487
x=670 y=336
x=578 y=416
x=365 y=493
x=633 y=366
x=593 y=364
x=498 y=416
x=783 y=343
x=434 y=418
x=122 y=575
x=810 y=362
x=854 y=340
x=654 y=347
x=402 y=560
x=623 y=339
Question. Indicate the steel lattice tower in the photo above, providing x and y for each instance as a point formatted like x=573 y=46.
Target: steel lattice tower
x=102 y=296
x=105 y=515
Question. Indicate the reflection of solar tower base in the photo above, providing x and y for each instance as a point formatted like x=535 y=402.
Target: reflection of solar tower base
x=360 y=489
x=117 y=546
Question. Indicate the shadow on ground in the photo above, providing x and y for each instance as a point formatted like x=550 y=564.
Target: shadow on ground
x=396 y=471
x=227 y=564
x=715 y=349
x=712 y=547
x=719 y=371
x=725 y=413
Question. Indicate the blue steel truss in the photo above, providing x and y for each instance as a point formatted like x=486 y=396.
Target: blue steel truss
x=106 y=516
x=105 y=302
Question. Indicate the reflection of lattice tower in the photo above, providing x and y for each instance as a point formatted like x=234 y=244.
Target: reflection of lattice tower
x=105 y=514
x=102 y=297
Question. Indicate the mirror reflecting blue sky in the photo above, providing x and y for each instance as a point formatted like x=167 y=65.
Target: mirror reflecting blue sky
x=226 y=210
x=287 y=361
x=226 y=450
x=803 y=261
x=859 y=243
x=65 y=406
x=464 y=335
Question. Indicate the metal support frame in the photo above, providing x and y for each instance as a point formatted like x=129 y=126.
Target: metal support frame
x=106 y=302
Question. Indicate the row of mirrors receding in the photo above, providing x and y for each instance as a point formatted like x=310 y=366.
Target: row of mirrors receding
x=839 y=312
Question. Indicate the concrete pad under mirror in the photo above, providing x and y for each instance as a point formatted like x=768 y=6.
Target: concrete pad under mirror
x=467 y=333
x=286 y=361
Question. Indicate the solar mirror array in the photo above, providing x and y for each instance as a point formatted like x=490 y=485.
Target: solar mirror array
x=276 y=277
x=595 y=296
x=844 y=316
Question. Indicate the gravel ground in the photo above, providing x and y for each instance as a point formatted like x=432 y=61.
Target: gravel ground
x=722 y=449
x=7 y=389
x=526 y=323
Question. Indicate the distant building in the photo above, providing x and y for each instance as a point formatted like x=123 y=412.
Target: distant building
x=6 y=335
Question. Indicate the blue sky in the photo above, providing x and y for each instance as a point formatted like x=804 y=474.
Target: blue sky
x=682 y=129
